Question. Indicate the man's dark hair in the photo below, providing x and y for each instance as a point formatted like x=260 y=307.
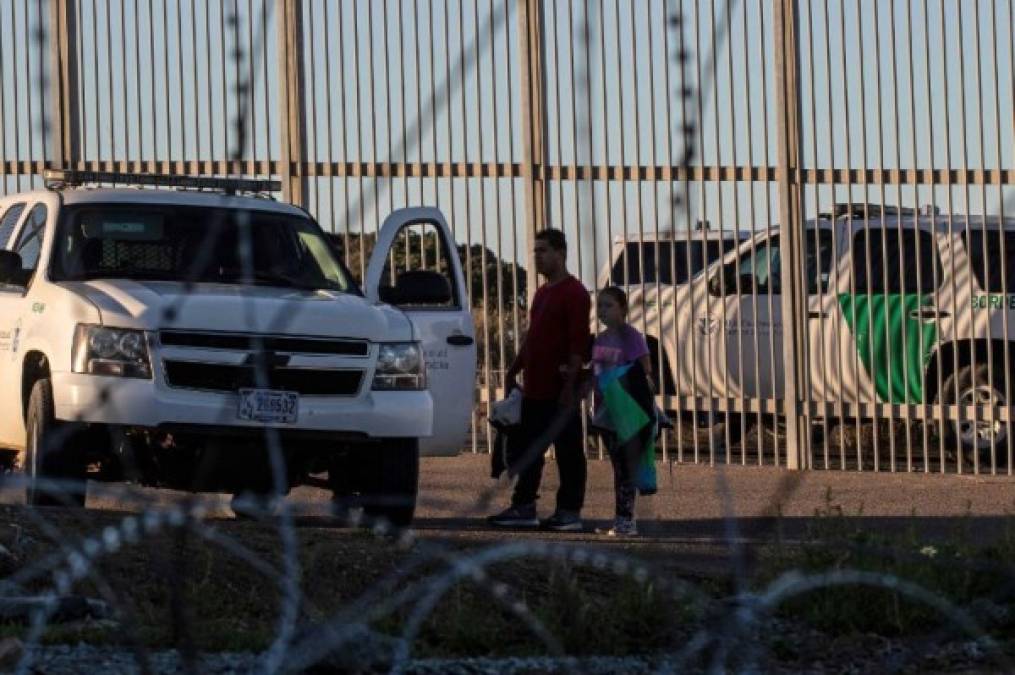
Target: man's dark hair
x=555 y=238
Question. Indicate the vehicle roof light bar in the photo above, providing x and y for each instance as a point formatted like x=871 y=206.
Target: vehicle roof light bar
x=57 y=178
x=861 y=210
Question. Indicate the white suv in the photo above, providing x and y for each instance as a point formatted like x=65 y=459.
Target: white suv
x=157 y=335
x=903 y=308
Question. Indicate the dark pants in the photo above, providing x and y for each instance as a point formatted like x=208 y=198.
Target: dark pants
x=544 y=423
x=623 y=479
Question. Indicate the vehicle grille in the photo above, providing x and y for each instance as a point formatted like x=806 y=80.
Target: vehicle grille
x=229 y=378
x=249 y=343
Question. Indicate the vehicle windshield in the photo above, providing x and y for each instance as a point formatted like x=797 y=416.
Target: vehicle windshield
x=678 y=261
x=194 y=244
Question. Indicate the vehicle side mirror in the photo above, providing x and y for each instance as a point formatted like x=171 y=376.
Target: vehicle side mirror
x=417 y=288
x=11 y=270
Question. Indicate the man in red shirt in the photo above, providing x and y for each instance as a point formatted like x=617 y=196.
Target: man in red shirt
x=550 y=361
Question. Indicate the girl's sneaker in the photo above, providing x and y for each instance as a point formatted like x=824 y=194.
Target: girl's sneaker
x=623 y=527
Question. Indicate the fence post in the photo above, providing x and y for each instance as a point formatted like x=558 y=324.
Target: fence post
x=794 y=293
x=63 y=83
x=292 y=101
x=534 y=165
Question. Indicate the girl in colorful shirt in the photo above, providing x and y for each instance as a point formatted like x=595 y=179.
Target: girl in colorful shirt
x=620 y=343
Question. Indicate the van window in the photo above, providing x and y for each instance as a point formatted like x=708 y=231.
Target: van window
x=8 y=222
x=992 y=255
x=886 y=260
x=678 y=262
x=759 y=270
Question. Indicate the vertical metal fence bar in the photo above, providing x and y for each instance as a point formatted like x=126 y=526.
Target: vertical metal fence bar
x=433 y=129
x=180 y=90
x=560 y=222
x=683 y=197
x=533 y=99
x=484 y=283
x=703 y=215
x=343 y=87
x=468 y=202
x=63 y=110
x=613 y=242
x=943 y=466
x=17 y=104
x=1001 y=228
x=267 y=92
x=640 y=202
x=197 y=98
x=745 y=395
x=977 y=400
x=385 y=26
x=501 y=351
x=227 y=122
x=658 y=365
x=991 y=413
x=291 y=97
x=314 y=120
x=728 y=392
x=509 y=60
x=329 y=139
x=869 y=291
x=209 y=87
x=919 y=272
x=359 y=140
x=419 y=113
x=949 y=218
x=884 y=223
x=916 y=191
x=787 y=60
x=840 y=341
x=375 y=156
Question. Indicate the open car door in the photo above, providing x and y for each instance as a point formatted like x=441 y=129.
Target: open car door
x=415 y=267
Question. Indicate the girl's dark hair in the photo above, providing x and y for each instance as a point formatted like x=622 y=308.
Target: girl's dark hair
x=617 y=294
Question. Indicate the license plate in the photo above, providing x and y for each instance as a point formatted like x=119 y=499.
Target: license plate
x=264 y=405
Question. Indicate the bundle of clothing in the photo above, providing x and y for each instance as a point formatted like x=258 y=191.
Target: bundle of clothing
x=505 y=417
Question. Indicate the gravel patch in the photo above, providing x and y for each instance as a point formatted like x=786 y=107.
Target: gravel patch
x=873 y=655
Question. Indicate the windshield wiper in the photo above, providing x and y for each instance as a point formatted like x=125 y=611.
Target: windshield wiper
x=147 y=275
x=268 y=279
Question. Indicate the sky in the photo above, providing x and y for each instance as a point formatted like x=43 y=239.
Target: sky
x=883 y=83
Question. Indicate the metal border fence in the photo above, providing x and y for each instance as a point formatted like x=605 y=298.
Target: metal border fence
x=614 y=121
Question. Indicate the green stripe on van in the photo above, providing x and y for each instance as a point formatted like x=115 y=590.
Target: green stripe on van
x=894 y=347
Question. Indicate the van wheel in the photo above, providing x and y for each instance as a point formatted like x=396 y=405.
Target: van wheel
x=975 y=386
x=383 y=480
x=705 y=430
x=52 y=453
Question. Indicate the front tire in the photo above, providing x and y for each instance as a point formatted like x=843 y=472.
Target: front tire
x=382 y=480
x=981 y=439
x=51 y=454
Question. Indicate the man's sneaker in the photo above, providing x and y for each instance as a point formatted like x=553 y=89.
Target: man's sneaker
x=563 y=521
x=515 y=516
x=623 y=527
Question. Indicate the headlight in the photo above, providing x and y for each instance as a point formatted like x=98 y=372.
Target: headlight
x=111 y=351
x=400 y=366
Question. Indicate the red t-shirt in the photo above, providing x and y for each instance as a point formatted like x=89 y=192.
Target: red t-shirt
x=558 y=328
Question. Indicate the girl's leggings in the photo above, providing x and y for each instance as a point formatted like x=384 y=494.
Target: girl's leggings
x=623 y=480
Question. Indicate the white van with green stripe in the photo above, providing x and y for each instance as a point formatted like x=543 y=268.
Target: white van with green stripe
x=903 y=307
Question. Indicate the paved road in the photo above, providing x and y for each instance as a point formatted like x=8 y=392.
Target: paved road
x=692 y=503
